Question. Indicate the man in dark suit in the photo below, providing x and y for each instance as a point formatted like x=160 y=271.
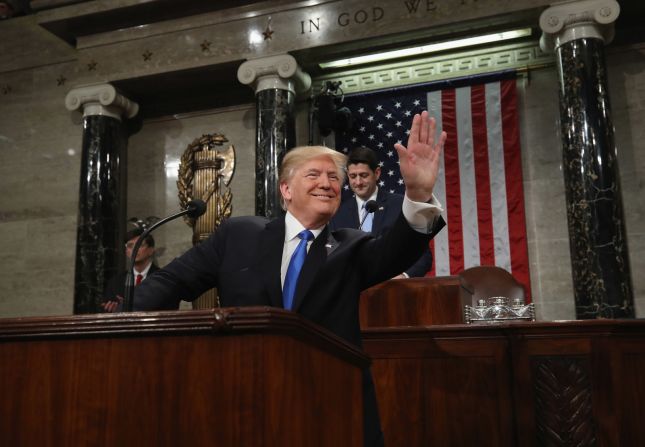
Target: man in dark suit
x=363 y=173
x=143 y=267
x=251 y=260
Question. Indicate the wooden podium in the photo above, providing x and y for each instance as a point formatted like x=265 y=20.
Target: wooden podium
x=414 y=302
x=225 y=377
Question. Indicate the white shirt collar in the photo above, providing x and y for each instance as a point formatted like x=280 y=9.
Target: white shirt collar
x=144 y=272
x=360 y=202
x=293 y=227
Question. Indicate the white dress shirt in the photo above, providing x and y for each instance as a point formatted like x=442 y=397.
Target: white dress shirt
x=421 y=217
x=360 y=202
x=291 y=241
x=143 y=273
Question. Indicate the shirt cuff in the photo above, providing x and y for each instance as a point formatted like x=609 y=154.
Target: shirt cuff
x=421 y=216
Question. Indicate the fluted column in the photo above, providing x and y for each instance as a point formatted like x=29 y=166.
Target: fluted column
x=577 y=31
x=276 y=81
x=102 y=192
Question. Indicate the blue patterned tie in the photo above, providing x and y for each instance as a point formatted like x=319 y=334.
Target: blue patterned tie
x=295 y=265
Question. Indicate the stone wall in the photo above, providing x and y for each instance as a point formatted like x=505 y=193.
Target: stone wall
x=40 y=166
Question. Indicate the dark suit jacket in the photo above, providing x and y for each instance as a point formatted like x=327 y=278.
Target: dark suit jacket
x=116 y=284
x=243 y=258
x=389 y=208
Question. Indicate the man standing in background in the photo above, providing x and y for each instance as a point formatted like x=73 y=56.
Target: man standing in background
x=363 y=173
x=143 y=267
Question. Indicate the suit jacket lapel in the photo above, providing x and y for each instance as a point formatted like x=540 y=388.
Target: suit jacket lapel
x=316 y=257
x=353 y=213
x=270 y=253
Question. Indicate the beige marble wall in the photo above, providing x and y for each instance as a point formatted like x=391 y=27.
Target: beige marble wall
x=547 y=232
x=39 y=174
x=40 y=166
x=627 y=88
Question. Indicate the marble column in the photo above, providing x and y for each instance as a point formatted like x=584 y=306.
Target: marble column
x=276 y=81
x=577 y=32
x=102 y=192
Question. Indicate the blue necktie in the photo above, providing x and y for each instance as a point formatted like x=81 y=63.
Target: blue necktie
x=295 y=265
x=369 y=218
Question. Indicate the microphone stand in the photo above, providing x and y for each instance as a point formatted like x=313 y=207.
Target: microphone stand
x=195 y=209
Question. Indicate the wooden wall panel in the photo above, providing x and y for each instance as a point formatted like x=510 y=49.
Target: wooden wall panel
x=630 y=397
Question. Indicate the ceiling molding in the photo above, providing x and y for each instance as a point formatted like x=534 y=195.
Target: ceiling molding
x=521 y=56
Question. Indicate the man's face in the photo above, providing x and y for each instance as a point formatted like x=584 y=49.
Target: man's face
x=312 y=194
x=362 y=179
x=145 y=251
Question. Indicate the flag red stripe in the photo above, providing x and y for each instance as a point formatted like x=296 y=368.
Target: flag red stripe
x=482 y=176
x=514 y=186
x=453 y=190
x=378 y=114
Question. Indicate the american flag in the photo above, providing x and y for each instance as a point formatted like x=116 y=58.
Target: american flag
x=480 y=179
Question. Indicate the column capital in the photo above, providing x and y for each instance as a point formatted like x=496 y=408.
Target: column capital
x=281 y=72
x=578 y=19
x=100 y=99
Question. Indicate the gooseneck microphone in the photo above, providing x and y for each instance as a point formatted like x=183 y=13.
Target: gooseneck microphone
x=370 y=206
x=194 y=209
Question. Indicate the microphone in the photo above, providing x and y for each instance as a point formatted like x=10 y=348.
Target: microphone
x=194 y=209
x=370 y=206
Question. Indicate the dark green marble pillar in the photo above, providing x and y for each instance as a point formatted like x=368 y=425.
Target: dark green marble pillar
x=579 y=31
x=599 y=256
x=276 y=80
x=275 y=135
x=102 y=191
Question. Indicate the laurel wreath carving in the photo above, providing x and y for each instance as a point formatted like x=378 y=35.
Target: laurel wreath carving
x=186 y=174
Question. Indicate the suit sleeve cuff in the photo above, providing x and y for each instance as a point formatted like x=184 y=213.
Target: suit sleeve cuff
x=421 y=216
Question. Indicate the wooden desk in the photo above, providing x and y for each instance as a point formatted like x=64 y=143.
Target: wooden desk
x=514 y=384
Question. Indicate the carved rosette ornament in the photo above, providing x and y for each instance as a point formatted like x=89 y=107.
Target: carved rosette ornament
x=205 y=173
